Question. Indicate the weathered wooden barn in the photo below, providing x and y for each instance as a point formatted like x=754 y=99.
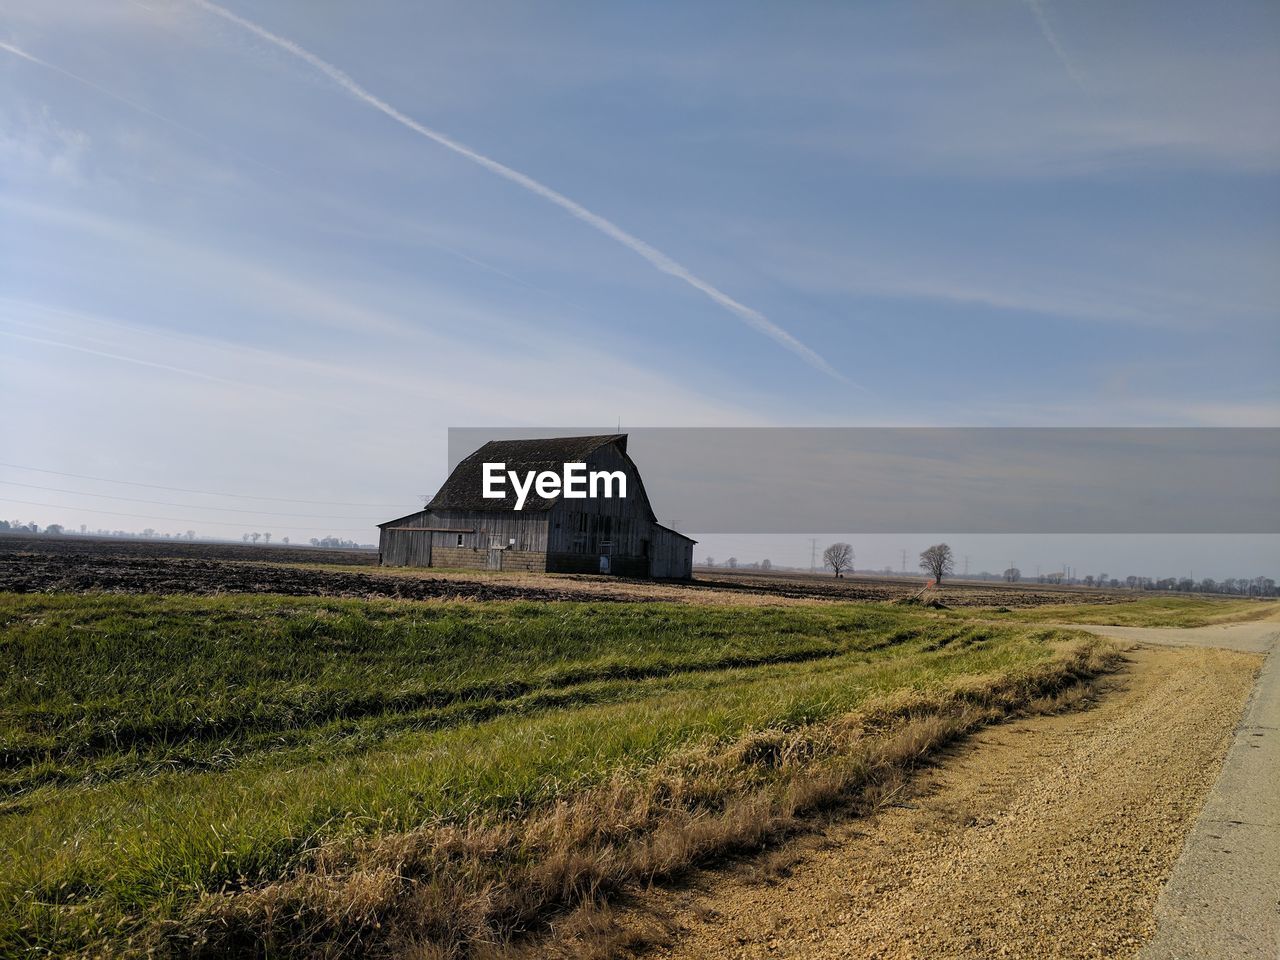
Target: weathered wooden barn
x=597 y=534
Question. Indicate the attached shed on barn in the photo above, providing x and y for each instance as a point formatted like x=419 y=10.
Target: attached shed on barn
x=596 y=534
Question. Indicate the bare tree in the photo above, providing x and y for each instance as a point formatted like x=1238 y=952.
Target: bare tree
x=938 y=562
x=731 y=563
x=266 y=538
x=766 y=564
x=1013 y=574
x=710 y=561
x=255 y=537
x=839 y=557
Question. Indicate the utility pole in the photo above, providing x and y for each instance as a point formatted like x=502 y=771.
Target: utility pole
x=904 y=562
x=813 y=555
x=966 y=564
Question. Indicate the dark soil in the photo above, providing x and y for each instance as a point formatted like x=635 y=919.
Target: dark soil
x=26 y=567
x=197 y=550
x=79 y=564
x=864 y=589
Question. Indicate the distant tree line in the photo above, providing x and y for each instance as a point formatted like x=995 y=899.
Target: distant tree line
x=264 y=537
x=938 y=562
x=1236 y=586
x=335 y=543
x=733 y=564
x=57 y=529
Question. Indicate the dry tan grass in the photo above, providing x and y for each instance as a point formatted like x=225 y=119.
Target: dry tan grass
x=491 y=887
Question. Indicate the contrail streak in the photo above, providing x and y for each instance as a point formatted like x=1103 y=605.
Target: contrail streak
x=753 y=318
x=19 y=52
x=118 y=356
x=133 y=104
x=1051 y=35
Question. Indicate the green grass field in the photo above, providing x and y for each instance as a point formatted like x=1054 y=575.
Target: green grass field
x=1147 y=611
x=158 y=750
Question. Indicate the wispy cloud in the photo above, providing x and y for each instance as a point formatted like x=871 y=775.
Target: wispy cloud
x=752 y=317
x=287 y=379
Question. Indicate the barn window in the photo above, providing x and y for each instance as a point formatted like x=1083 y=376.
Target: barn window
x=459 y=539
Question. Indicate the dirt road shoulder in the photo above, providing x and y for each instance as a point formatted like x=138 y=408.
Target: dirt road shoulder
x=1223 y=899
x=1047 y=836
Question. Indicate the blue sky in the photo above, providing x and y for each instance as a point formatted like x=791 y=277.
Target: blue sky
x=220 y=270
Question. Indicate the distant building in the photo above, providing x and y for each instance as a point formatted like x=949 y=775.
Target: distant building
x=614 y=535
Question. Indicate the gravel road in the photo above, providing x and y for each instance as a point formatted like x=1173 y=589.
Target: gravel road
x=1051 y=836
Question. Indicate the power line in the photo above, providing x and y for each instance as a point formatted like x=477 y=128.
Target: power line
x=142 y=516
x=187 y=506
x=207 y=493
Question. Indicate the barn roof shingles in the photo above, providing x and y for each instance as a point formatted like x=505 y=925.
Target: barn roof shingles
x=464 y=490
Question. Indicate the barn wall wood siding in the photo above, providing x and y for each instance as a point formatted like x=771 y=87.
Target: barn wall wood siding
x=555 y=535
x=672 y=554
x=403 y=548
x=484 y=530
x=628 y=519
